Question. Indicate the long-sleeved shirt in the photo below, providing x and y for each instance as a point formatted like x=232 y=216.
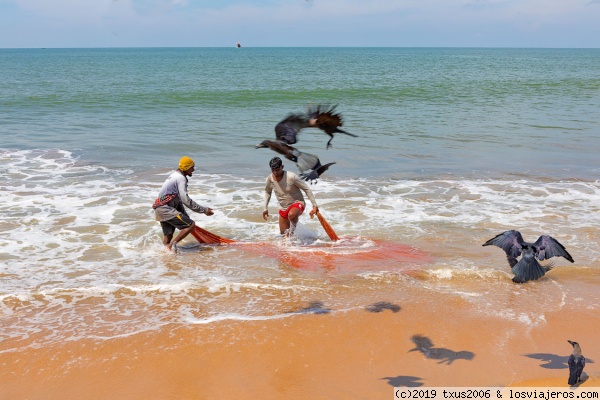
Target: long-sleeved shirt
x=175 y=190
x=287 y=190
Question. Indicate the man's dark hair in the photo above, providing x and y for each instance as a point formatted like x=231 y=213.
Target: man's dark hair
x=275 y=163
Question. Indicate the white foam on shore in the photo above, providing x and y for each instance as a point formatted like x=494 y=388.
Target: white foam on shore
x=81 y=252
x=234 y=317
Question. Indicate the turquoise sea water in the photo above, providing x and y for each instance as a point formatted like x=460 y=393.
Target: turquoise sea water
x=454 y=146
x=471 y=112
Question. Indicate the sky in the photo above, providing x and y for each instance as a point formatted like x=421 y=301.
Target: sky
x=305 y=23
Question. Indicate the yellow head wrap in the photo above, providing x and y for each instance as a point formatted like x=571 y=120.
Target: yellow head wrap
x=185 y=163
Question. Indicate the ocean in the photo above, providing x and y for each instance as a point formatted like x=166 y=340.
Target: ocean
x=453 y=146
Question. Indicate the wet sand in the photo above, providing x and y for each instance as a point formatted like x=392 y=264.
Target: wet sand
x=357 y=354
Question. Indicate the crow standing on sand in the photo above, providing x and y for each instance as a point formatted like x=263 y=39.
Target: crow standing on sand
x=576 y=363
x=286 y=132
x=528 y=268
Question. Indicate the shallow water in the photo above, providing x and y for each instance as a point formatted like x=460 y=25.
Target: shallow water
x=83 y=257
x=454 y=147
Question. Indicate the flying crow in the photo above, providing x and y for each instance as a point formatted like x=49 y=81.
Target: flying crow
x=528 y=268
x=309 y=165
x=286 y=134
x=322 y=117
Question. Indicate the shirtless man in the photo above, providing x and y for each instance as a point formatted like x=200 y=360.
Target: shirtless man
x=287 y=186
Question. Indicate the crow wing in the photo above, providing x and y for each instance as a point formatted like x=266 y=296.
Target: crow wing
x=580 y=365
x=548 y=247
x=510 y=241
x=321 y=169
x=307 y=162
x=288 y=128
x=298 y=121
x=572 y=370
x=576 y=365
x=316 y=172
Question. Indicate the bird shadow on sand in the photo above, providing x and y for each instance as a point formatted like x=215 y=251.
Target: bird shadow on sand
x=381 y=306
x=552 y=361
x=314 y=307
x=444 y=356
x=404 y=381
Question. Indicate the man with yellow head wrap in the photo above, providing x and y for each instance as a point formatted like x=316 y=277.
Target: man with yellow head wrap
x=169 y=206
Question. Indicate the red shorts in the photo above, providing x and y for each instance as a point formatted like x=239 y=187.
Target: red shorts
x=284 y=213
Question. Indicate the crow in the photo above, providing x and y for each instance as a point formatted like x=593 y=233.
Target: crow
x=324 y=118
x=576 y=363
x=309 y=165
x=528 y=268
x=286 y=134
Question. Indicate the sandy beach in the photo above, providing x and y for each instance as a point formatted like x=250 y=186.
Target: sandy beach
x=353 y=355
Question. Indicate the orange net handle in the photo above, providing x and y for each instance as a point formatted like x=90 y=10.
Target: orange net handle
x=328 y=229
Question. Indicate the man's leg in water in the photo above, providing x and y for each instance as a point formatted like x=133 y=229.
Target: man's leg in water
x=293 y=216
x=284 y=224
x=182 y=234
x=182 y=222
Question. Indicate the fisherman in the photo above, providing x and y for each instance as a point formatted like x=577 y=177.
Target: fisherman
x=287 y=186
x=169 y=206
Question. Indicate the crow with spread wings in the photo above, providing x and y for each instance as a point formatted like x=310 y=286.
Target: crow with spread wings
x=528 y=268
x=286 y=132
